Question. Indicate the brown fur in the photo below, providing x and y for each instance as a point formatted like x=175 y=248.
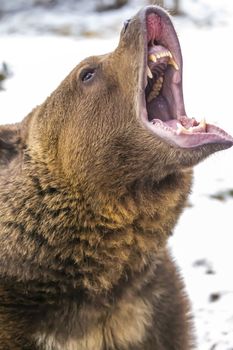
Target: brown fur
x=88 y=199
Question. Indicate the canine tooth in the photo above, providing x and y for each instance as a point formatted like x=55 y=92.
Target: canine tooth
x=180 y=127
x=149 y=74
x=152 y=58
x=169 y=54
x=173 y=63
x=192 y=129
x=182 y=130
x=203 y=123
x=201 y=126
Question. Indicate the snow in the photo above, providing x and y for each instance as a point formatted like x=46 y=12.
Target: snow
x=202 y=241
x=75 y=18
x=38 y=69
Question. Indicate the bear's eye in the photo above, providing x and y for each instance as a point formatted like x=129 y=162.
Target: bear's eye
x=87 y=74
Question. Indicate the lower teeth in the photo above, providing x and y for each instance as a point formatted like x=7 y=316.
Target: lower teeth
x=201 y=127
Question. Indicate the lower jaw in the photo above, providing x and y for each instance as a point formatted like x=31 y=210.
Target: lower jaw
x=187 y=138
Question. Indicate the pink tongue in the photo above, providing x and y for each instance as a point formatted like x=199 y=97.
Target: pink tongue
x=154 y=27
x=187 y=122
x=172 y=123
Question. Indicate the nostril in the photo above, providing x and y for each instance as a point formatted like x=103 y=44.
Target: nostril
x=126 y=24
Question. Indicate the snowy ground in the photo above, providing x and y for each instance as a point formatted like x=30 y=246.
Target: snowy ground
x=202 y=242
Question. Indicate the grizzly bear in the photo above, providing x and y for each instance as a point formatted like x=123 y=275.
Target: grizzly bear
x=92 y=183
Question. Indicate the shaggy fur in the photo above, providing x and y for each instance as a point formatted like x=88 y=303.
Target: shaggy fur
x=88 y=199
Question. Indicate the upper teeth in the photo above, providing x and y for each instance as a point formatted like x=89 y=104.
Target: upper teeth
x=155 y=56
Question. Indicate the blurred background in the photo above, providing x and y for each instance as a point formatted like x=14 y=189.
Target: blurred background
x=42 y=40
x=100 y=18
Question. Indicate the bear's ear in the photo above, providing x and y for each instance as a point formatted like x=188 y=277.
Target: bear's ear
x=10 y=144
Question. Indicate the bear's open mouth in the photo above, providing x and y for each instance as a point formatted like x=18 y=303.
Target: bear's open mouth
x=162 y=108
